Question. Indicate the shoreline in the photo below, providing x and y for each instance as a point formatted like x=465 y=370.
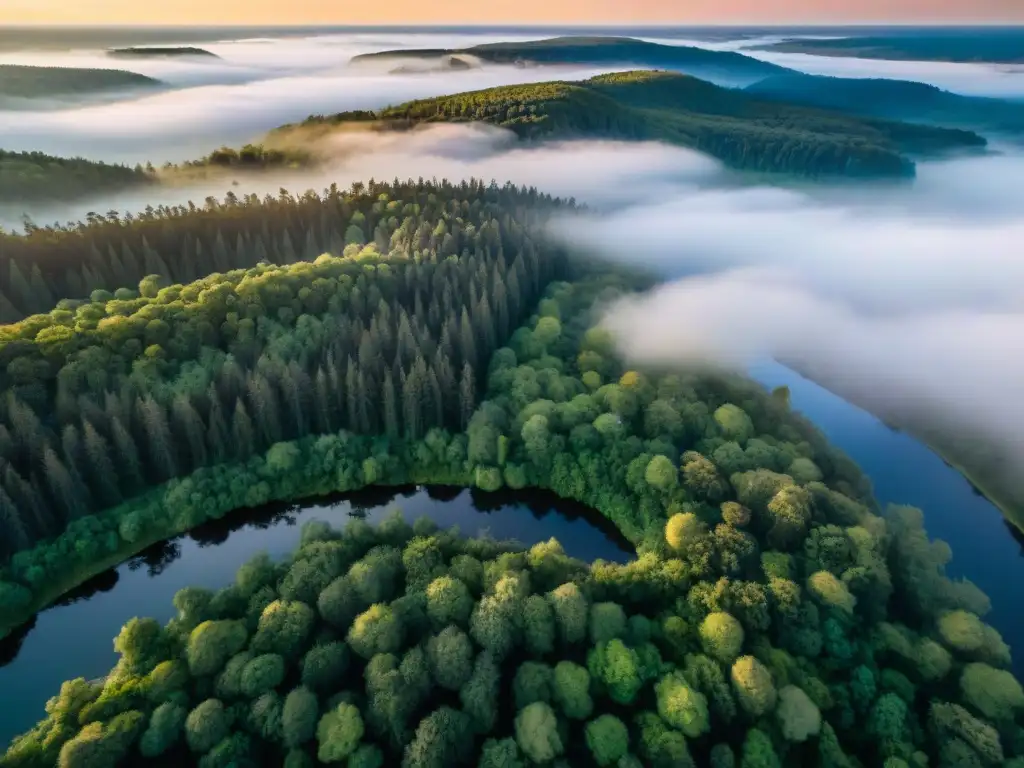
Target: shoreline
x=1010 y=511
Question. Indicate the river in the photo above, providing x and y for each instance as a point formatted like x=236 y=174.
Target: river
x=987 y=549
x=74 y=639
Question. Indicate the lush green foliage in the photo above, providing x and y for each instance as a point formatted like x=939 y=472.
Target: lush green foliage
x=845 y=644
x=117 y=394
x=742 y=131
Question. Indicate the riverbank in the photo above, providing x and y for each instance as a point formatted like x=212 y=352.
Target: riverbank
x=937 y=442
x=73 y=638
x=166 y=528
x=167 y=522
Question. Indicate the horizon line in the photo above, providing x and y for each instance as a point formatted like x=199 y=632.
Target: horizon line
x=1006 y=24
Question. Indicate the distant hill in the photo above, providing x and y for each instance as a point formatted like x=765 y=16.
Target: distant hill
x=28 y=82
x=153 y=52
x=37 y=177
x=898 y=99
x=723 y=67
x=993 y=44
x=743 y=132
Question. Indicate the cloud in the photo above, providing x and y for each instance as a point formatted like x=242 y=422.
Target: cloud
x=255 y=85
x=897 y=251
x=610 y=174
x=907 y=299
x=1005 y=81
x=181 y=124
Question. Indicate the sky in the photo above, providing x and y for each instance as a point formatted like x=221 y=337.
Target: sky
x=508 y=11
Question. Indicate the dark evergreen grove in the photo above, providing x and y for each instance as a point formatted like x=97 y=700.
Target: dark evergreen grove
x=773 y=615
x=107 y=396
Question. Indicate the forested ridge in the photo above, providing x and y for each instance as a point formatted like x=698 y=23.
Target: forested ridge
x=1000 y=44
x=743 y=132
x=106 y=397
x=27 y=81
x=729 y=65
x=894 y=99
x=773 y=615
x=27 y=176
x=136 y=52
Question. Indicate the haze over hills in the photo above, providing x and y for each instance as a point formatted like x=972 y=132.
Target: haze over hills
x=570 y=285
x=895 y=99
x=745 y=133
x=725 y=67
x=31 y=82
x=141 y=52
x=995 y=44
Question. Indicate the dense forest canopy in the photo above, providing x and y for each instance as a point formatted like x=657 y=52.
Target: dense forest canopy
x=744 y=132
x=29 y=176
x=773 y=616
x=426 y=283
x=603 y=51
x=25 y=81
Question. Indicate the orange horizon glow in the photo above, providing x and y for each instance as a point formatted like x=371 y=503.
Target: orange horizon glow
x=519 y=12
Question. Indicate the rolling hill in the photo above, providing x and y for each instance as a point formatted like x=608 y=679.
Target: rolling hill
x=35 y=176
x=153 y=52
x=1001 y=45
x=743 y=132
x=895 y=99
x=29 y=82
x=723 y=67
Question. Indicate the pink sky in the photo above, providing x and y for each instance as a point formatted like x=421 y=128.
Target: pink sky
x=508 y=11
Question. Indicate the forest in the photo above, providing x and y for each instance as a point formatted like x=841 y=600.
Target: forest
x=430 y=333
x=30 y=82
x=744 y=132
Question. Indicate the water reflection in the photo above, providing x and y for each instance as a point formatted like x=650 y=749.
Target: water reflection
x=904 y=471
x=74 y=638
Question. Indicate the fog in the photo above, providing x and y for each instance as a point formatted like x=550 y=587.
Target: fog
x=184 y=124
x=907 y=299
x=970 y=79
x=909 y=296
x=611 y=174
x=255 y=85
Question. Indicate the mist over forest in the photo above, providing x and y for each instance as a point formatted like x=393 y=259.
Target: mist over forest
x=539 y=288
x=844 y=279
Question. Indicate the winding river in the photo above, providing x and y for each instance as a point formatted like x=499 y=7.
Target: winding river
x=74 y=638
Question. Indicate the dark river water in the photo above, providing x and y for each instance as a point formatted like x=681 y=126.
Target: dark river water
x=74 y=639
x=987 y=549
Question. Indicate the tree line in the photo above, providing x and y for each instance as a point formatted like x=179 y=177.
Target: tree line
x=772 y=616
x=107 y=397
